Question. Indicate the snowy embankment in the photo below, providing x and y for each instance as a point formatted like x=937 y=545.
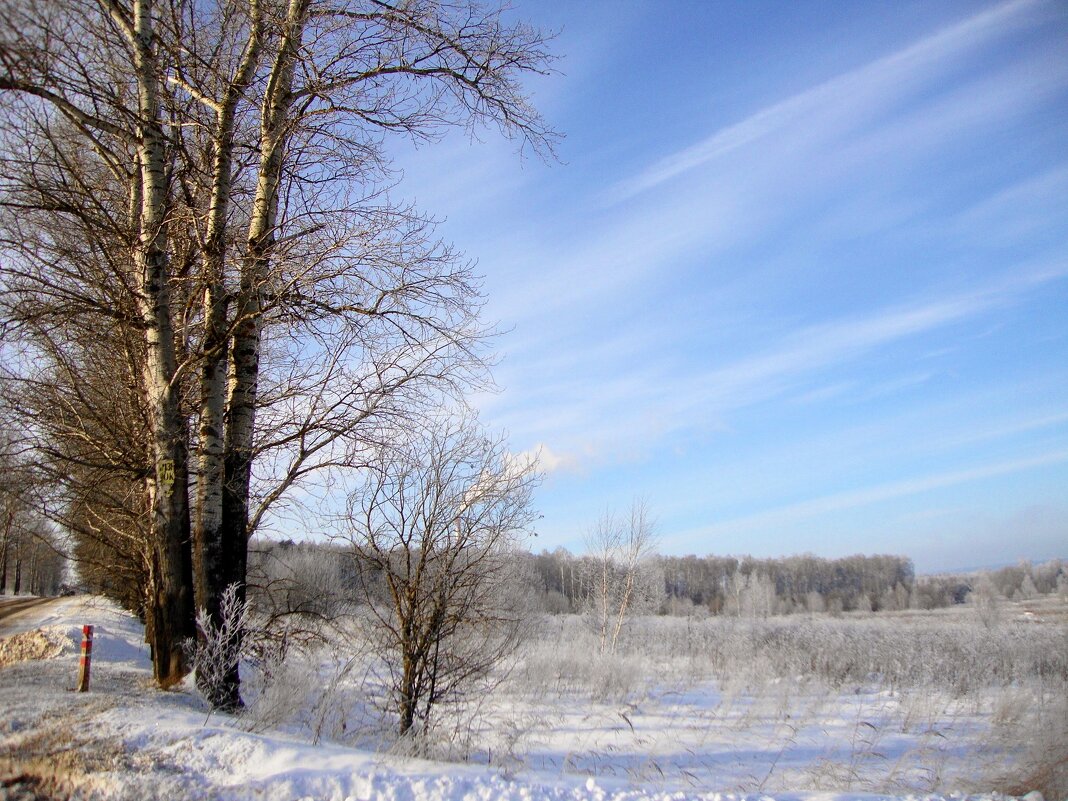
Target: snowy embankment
x=125 y=740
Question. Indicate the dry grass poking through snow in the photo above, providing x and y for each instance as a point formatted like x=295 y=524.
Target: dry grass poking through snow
x=53 y=762
x=886 y=704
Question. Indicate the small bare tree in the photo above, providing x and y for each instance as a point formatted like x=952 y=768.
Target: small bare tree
x=433 y=528
x=986 y=601
x=621 y=549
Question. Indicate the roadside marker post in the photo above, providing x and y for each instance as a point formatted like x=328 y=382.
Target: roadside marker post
x=87 y=655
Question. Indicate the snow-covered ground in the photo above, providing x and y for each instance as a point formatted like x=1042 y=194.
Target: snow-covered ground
x=686 y=739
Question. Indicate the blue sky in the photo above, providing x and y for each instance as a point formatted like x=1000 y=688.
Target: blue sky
x=800 y=280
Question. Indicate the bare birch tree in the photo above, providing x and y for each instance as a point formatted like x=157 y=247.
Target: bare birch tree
x=620 y=549
x=339 y=80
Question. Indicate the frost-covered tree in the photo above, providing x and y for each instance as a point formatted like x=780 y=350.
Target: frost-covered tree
x=623 y=576
x=1027 y=591
x=434 y=525
x=986 y=600
x=756 y=595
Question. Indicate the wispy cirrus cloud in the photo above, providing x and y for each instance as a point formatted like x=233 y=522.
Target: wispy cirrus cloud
x=841 y=340
x=829 y=143
x=850 y=96
x=580 y=415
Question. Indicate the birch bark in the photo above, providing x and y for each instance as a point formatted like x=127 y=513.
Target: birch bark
x=171 y=605
x=210 y=554
x=247 y=331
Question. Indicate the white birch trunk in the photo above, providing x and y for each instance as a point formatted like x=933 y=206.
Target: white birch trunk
x=171 y=604
x=245 y=348
x=210 y=552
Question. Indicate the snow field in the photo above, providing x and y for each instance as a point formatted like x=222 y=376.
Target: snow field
x=669 y=717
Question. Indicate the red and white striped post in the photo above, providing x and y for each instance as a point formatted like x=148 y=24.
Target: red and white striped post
x=87 y=655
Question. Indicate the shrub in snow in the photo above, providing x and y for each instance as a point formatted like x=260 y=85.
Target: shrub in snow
x=986 y=601
x=218 y=650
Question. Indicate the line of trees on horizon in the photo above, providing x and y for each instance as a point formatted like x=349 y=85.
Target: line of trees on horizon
x=754 y=587
x=317 y=579
x=32 y=553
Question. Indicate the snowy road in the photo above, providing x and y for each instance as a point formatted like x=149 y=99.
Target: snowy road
x=12 y=610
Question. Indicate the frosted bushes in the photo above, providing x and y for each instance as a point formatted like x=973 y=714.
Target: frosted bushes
x=288 y=580
x=282 y=665
x=326 y=687
x=218 y=650
x=617 y=679
x=959 y=657
x=562 y=658
x=277 y=690
x=886 y=702
x=894 y=703
x=1034 y=730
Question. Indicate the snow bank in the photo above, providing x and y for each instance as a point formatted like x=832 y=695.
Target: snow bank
x=45 y=643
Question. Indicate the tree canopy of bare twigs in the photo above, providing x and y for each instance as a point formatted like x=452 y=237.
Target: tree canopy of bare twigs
x=434 y=528
x=207 y=294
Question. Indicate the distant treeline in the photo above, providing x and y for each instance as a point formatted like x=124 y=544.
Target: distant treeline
x=746 y=586
x=311 y=577
x=762 y=587
x=767 y=586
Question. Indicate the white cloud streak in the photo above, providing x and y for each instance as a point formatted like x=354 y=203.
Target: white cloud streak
x=541 y=457
x=582 y=418
x=832 y=141
x=857 y=91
